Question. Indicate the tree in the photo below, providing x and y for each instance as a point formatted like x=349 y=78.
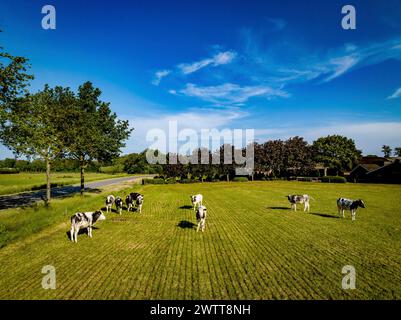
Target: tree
x=336 y=152
x=93 y=131
x=14 y=78
x=299 y=155
x=397 y=152
x=386 y=151
x=33 y=127
x=273 y=157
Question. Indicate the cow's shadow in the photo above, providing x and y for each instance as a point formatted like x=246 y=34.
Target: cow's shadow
x=186 y=207
x=279 y=208
x=81 y=231
x=183 y=224
x=324 y=215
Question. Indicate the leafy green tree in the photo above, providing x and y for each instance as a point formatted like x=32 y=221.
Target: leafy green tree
x=299 y=155
x=336 y=152
x=271 y=156
x=14 y=79
x=33 y=127
x=386 y=151
x=93 y=131
x=397 y=152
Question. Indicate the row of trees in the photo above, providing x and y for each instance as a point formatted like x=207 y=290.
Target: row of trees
x=388 y=151
x=56 y=123
x=275 y=158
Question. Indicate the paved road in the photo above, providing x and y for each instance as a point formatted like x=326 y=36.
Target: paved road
x=28 y=198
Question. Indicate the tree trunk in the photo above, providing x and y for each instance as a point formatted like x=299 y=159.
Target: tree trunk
x=48 y=183
x=82 y=179
x=228 y=177
x=325 y=171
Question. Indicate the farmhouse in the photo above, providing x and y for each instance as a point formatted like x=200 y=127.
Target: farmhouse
x=378 y=170
x=361 y=170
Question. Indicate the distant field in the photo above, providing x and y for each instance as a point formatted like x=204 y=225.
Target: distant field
x=13 y=183
x=254 y=247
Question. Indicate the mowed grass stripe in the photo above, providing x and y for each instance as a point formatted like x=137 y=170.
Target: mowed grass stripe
x=253 y=247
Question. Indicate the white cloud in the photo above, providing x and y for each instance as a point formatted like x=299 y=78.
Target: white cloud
x=220 y=58
x=159 y=75
x=340 y=65
x=229 y=93
x=396 y=94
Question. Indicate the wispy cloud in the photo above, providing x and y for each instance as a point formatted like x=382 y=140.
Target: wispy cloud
x=352 y=57
x=218 y=59
x=278 y=24
x=159 y=75
x=230 y=93
x=264 y=60
x=395 y=95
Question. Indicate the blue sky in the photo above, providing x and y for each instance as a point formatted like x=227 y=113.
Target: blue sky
x=283 y=68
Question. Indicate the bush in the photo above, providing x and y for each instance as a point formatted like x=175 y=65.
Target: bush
x=334 y=179
x=240 y=179
x=153 y=181
x=8 y=170
x=188 y=181
x=112 y=169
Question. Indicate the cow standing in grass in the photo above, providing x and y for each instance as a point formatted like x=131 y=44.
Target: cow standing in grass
x=294 y=199
x=134 y=199
x=201 y=217
x=119 y=204
x=82 y=220
x=348 y=204
x=109 y=202
x=196 y=200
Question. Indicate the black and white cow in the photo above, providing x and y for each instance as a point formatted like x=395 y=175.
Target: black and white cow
x=109 y=202
x=134 y=199
x=348 y=204
x=196 y=200
x=201 y=217
x=84 y=220
x=119 y=204
x=294 y=199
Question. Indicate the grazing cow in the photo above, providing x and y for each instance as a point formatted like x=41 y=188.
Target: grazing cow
x=196 y=200
x=134 y=199
x=201 y=217
x=82 y=220
x=348 y=204
x=119 y=204
x=109 y=202
x=294 y=199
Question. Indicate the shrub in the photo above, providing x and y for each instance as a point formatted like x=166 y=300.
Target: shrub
x=112 y=169
x=334 y=179
x=240 y=179
x=188 y=181
x=153 y=181
x=8 y=170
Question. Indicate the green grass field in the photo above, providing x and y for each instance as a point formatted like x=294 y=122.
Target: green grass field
x=14 y=183
x=253 y=247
